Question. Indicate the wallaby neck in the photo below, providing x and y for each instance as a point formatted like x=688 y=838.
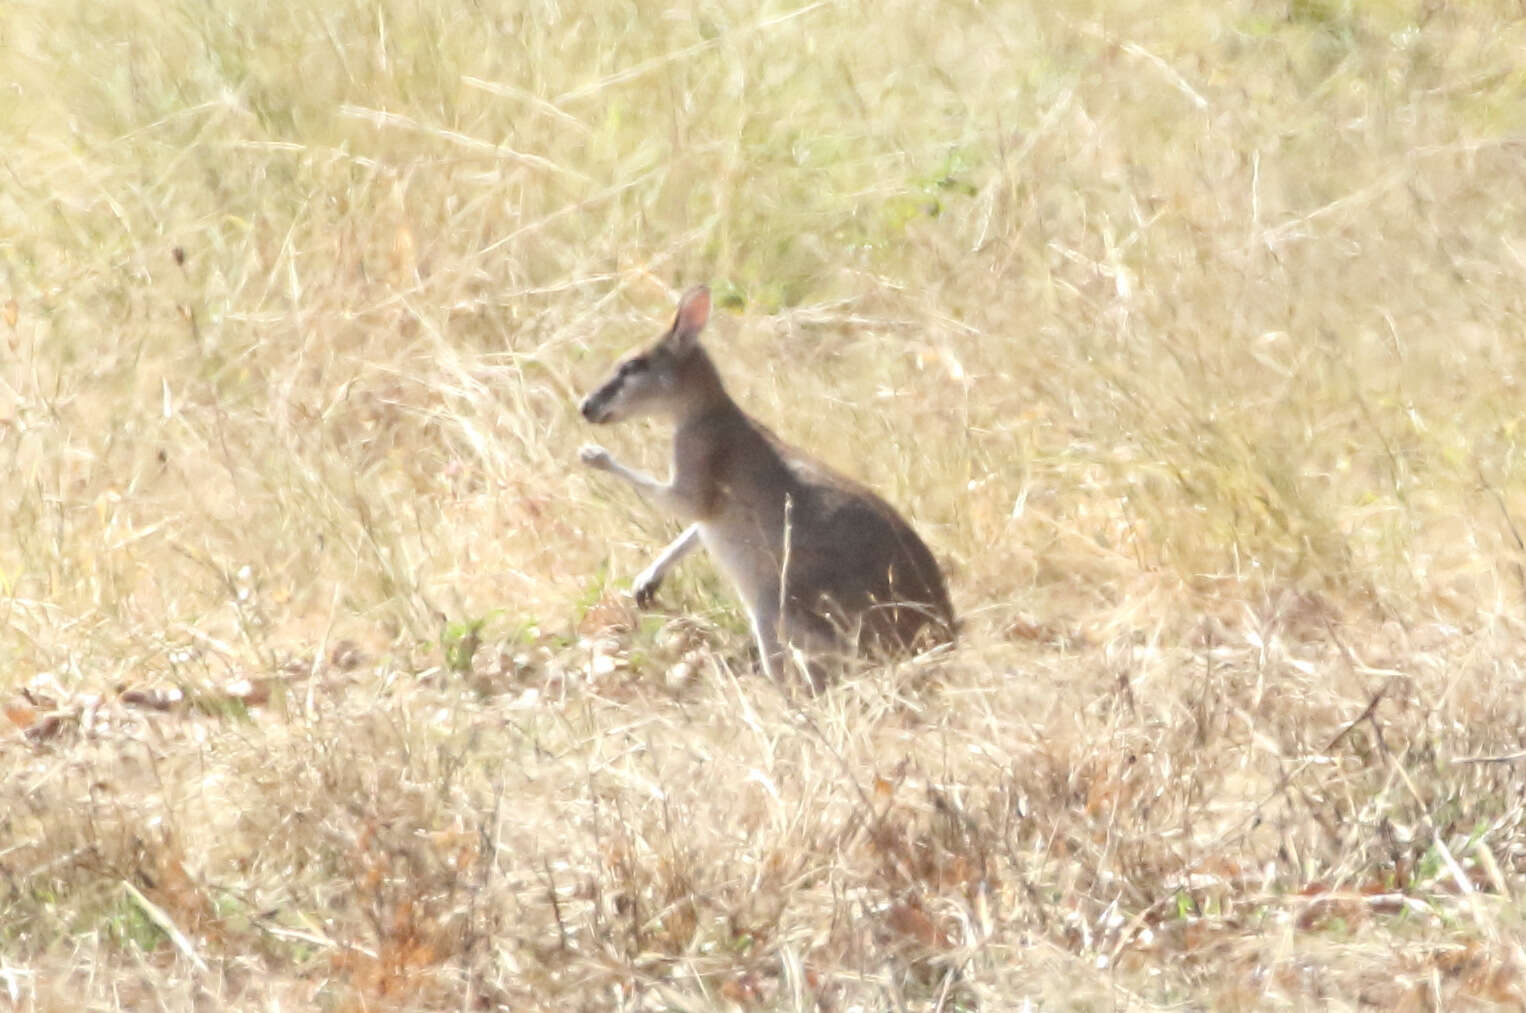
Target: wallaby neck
x=704 y=395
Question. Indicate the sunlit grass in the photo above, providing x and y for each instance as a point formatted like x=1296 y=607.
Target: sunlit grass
x=1188 y=335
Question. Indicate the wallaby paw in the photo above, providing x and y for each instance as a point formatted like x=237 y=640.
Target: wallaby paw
x=644 y=588
x=595 y=456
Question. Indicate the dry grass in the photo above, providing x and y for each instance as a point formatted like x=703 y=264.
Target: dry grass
x=1191 y=336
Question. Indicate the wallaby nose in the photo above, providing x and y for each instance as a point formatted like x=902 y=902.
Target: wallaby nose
x=589 y=409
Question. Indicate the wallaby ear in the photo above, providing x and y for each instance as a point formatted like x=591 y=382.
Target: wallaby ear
x=693 y=312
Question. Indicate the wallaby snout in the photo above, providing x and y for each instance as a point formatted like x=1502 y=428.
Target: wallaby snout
x=593 y=407
x=640 y=385
x=600 y=406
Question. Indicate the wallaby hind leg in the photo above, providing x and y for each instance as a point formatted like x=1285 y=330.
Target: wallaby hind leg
x=787 y=651
x=765 y=632
x=816 y=649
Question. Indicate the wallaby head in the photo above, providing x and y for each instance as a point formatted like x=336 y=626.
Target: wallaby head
x=666 y=377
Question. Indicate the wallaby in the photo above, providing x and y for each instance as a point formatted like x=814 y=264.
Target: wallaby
x=823 y=565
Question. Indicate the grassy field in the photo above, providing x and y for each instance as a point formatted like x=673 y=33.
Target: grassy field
x=1191 y=336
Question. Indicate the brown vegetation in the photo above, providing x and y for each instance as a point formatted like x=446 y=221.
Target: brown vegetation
x=1189 y=335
